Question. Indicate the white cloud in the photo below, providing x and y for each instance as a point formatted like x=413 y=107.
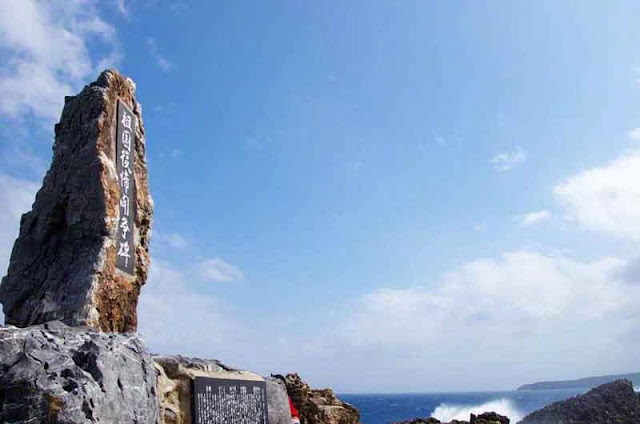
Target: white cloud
x=48 y=55
x=634 y=134
x=162 y=62
x=505 y=161
x=172 y=317
x=519 y=317
x=216 y=269
x=605 y=198
x=532 y=218
x=175 y=318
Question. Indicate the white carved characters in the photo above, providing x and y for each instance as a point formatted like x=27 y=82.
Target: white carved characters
x=125 y=176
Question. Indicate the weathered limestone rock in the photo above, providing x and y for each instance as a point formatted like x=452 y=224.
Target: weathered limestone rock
x=175 y=376
x=278 y=402
x=609 y=403
x=63 y=263
x=52 y=373
x=319 y=406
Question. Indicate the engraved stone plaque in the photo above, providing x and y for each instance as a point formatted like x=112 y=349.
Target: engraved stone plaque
x=224 y=401
x=125 y=145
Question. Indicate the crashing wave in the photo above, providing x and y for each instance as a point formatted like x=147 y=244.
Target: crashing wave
x=446 y=412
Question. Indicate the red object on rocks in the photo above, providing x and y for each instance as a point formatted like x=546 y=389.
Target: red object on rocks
x=294 y=411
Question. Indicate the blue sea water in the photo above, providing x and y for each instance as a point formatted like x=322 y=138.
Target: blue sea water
x=390 y=408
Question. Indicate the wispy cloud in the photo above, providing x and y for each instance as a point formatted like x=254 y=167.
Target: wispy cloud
x=218 y=270
x=172 y=240
x=173 y=318
x=481 y=226
x=161 y=61
x=532 y=218
x=439 y=140
x=122 y=8
x=49 y=51
x=506 y=161
x=634 y=134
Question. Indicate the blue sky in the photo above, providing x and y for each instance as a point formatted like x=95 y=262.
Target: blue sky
x=364 y=191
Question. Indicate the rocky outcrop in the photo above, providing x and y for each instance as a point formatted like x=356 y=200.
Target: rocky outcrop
x=52 y=373
x=62 y=265
x=486 y=418
x=319 y=406
x=175 y=375
x=609 y=403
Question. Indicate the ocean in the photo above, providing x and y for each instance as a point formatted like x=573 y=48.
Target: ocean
x=390 y=408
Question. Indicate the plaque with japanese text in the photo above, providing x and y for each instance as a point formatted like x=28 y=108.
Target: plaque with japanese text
x=223 y=401
x=125 y=144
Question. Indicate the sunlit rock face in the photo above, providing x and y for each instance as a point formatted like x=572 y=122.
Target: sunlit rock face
x=63 y=264
x=319 y=406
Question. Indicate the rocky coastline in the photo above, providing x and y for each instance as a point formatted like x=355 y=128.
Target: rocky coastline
x=485 y=418
x=611 y=403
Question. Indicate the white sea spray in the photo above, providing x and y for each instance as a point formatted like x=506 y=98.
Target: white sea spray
x=447 y=412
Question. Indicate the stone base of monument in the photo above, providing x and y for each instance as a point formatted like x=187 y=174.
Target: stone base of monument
x=190 y=390
x=52 y=373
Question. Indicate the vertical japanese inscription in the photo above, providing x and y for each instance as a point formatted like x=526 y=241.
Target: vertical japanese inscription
x=125 y=139
x=222 y=401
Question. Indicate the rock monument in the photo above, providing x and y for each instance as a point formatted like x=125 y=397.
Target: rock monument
x=82 y=253
x=70 y=352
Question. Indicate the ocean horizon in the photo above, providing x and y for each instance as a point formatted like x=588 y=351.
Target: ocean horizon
x=397 y=407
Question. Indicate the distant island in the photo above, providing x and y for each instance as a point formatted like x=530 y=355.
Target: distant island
x=583 y=383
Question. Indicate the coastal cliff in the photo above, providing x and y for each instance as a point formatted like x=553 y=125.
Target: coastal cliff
x=610 y=403
x=582 y=383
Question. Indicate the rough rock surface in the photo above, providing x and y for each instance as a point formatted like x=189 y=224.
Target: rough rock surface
x=611 y=403
x=175 y=375
x=485 y=418
x=277 y=402
x=52 y=373
x=63 y=263
x=319 y=406
x=489 y=418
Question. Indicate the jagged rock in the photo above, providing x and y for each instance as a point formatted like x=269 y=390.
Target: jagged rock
x=611 y=403
x=489 y=418
x=277 y=402
x=53 y=373
x=175 y=376
x=485 y=418
x=62 y=265
x=319 y=406
x=421 y=421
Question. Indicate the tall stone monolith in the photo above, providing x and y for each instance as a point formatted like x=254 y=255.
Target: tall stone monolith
x=82 y=254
